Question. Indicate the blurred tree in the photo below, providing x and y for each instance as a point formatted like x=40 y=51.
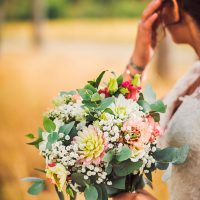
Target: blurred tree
x=37 y=19
x=3 y=6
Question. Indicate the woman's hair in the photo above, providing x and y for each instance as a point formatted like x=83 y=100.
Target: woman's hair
x=192 y=7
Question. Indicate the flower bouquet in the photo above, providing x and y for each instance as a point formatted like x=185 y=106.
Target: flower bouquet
x=102 y=141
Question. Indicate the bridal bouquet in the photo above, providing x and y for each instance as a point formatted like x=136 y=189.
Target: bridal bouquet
x=102 y=141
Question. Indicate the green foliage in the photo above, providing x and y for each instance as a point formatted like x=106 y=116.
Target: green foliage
x=124 y=154
x=37 y=187
x=102 y=192
x=66 y=129
x=158 y=106
x=126 y=167
x=78 y=9
x=119 y=183
x=91 y=193
x=52 y=138
x=149 y=94
x=48 y=124
x=172 y=155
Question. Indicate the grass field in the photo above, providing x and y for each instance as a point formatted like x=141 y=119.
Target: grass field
x=73 y=51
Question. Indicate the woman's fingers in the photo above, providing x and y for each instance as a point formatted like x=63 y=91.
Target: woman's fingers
x=150 y=21
x=151 y=8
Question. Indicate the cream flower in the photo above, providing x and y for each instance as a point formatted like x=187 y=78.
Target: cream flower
x=91 y=145
x=57 y=174
x=126 y=108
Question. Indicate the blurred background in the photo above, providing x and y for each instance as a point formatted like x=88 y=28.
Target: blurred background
x=52 y=45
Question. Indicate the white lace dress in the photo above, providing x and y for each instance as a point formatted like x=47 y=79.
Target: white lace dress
x=183 y=127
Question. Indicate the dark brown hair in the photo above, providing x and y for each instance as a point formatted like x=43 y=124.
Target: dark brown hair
x=192 y=7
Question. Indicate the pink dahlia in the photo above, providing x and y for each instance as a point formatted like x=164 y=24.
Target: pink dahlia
x=91 y=145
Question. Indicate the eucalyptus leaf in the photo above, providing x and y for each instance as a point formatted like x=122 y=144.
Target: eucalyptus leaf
x=124 y=154
x=79 y=179
x=109 y=156
x=95 y=97
x=127 y=167
x=91 y=88
x=36 y=188
x=172 y=155
x=149 y=94
x=85 y=94
x=145 y=105
x=105 y=103
x=119 y=183
x=91 y=193
x=66 y=128
x=158 y=106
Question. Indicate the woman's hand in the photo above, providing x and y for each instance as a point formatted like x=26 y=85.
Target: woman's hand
x=144 y=47
x=140 y=195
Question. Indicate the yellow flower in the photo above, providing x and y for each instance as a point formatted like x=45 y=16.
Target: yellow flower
x=57 y=174
x=92 y=145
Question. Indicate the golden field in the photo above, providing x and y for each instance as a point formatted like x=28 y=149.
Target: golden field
x=72 y=52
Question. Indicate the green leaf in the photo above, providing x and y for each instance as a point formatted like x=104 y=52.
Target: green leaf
x=91 y=88
x=36 y=188
x=63 y=93
x=108 y=169
x=30 y=136
x=66 y=128
x=40 y=132
x=158 y=106
x=85 y=94
x=95 y=97
x=102 y=192
x=79 y=179
x=70 y=192
x=60 y=194
x=91 y=193
x=52 y=138
x=112 y=191
x=109 y=156
x=119 y=80
x=167 y=173
x=124 y=154
x=32 y=179
x=149 y=94
x=105 y=103
x=35 y=143
x=145 y=105
x=119 y=183
x=162 y=166
x=172 y=155
x=99 y=78
x=127 y=167
x=49 y=125
x=156 y=116
x=108 y=110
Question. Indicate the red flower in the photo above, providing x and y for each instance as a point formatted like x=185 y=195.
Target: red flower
x=53 y=164
x=133 y=90
x=104 y=91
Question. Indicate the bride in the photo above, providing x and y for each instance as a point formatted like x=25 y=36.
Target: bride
x=182 y=120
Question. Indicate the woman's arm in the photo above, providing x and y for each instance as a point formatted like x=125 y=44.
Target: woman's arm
x=144 y=48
